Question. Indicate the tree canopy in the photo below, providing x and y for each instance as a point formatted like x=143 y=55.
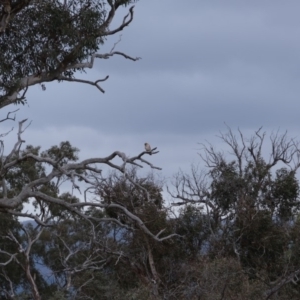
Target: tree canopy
x=43 y=41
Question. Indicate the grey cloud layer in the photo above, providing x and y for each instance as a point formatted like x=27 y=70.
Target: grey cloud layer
x=203 y=63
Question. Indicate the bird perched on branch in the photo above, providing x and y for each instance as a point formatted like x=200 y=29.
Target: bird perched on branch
x=148 y=148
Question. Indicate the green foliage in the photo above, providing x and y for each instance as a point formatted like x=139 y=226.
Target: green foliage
x=8 y=222
x=64 y=153
x=225 y=185
x=144 y=192
x=229 y=188
x=26 y=171
x=50 y=37
x=192 y=226
x=285 y=192
x=46 y=34
x=58 y=295
x=262 y=243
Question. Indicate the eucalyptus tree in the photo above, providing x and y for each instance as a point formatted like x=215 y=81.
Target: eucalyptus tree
x=79 y=238
x=53 y=40
x=247 y=200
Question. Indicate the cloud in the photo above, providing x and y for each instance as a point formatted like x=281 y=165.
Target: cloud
x=203 y=63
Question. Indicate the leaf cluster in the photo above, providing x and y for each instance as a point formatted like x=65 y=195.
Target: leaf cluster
x=46 y=36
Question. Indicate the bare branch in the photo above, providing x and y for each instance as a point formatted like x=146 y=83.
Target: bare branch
x=280 y=283
x=86 y=81
x=126 y=21
x=11 y=257
x=18 y=144
x=8 y=116
x=90 y=64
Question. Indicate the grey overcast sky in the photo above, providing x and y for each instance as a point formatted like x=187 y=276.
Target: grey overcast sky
x=203 y=63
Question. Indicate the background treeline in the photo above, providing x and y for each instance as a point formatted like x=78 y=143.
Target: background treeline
x=236 y=222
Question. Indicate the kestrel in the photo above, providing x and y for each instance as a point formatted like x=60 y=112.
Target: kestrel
x=148 y=148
